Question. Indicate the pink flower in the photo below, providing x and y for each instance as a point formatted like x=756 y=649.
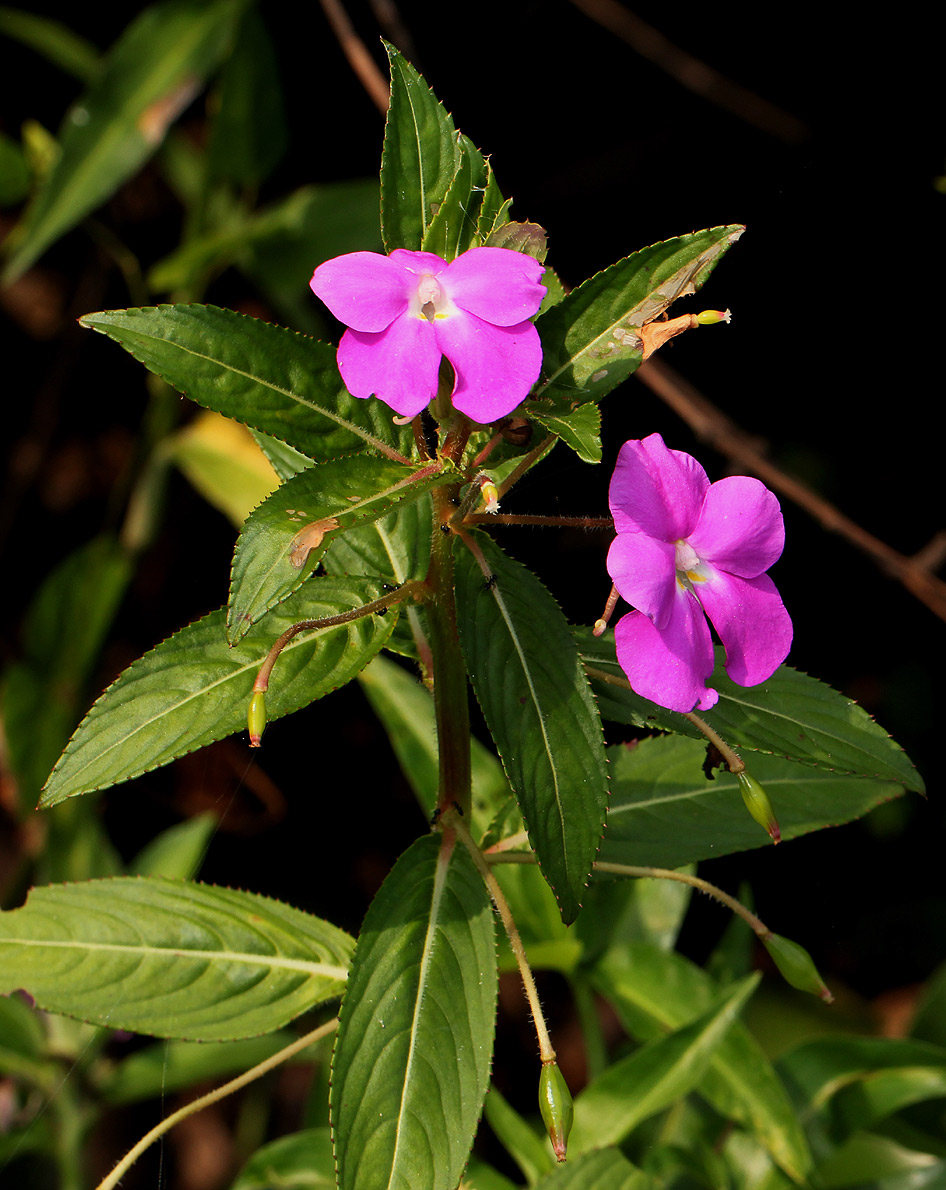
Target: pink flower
x=685 y=546
x=406 y=310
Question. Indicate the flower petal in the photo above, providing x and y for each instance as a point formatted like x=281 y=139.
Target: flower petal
x=655 y=490
x=669 y=666
x=399 y=365
x=365 y=290
x=644 y=572
x=496 y=284
x=752 y=623
x=419 y=263
x=740 y=528
x=495 y=365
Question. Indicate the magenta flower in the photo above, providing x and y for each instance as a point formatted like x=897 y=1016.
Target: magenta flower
x=406 y=310
x=685 y=546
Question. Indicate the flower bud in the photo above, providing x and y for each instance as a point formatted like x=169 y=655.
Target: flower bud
x=796 y=966
x=256 y=717
x=555 y=1104
x=758 y=805
x=711 y=317
x=490 y=494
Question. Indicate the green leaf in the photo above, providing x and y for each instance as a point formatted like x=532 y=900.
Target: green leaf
x=415 y=1034
x=169 y=1066
x=300 y=1161
x=53 y=40
x=43 y=694
x=175 y=960
x=655 y=991
x=453 y=228
x=284 y=539
x=312 y=225
x=531 y=1152
x=589 y=342
x=871 y=1162
x=664 y=812
x=396 y=549
x=178 y=852
x=480 y=1176
x=419 y=160
x=406 y=710
x=859 y=1081
x=494 y=209
x=193 y=688
x=652 y=1078
x=791 y=715
x=249 y=132
x=270 y=378
x=14 y=172
x=603 y=1169
x=151 y=74
x=578 y=428
x=529 y=681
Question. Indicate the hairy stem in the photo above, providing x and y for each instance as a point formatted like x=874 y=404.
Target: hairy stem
x=376 y=605
x=546 y=1050
x=287 y=1052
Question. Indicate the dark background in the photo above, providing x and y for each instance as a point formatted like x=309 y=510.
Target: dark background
x=832 y=359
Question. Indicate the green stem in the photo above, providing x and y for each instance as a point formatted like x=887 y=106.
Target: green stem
x=553 y=522
x=449 y=673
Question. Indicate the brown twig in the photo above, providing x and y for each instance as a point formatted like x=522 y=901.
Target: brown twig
x=357 y=54
x=714 y=427
x=693 y=74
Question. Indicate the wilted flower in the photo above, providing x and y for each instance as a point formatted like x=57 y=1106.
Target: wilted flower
x=685 y=546
x=406 y=310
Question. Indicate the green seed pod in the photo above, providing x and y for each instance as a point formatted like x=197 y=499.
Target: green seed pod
x=712 y=317
x=796 y=966
x=256 y=717
x=555 y=1103
x=758 y=805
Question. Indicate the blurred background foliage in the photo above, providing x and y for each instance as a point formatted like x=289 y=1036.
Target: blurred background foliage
x=114 y=527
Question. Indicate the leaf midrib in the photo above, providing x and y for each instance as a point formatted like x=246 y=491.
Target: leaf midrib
x=342 y=422
x=247 y=958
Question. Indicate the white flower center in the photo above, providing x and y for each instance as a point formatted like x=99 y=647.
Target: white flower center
x=430 y=301
x=688 y=564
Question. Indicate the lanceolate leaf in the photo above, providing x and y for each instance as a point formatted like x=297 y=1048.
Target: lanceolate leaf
x=453 y=229
x=300 y=1161
x=651 y=1078
x=527 y=675
x=419 y=160
x=665 y=812
x=415 y=1035
x=151 y=75
x=856 y=1081
x=284 y=539
x=790 y=715
x=657 y=991
x=589 y=339
x=193 y=688
x=168 y=958
x=602 y=1169
x=272 y=379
